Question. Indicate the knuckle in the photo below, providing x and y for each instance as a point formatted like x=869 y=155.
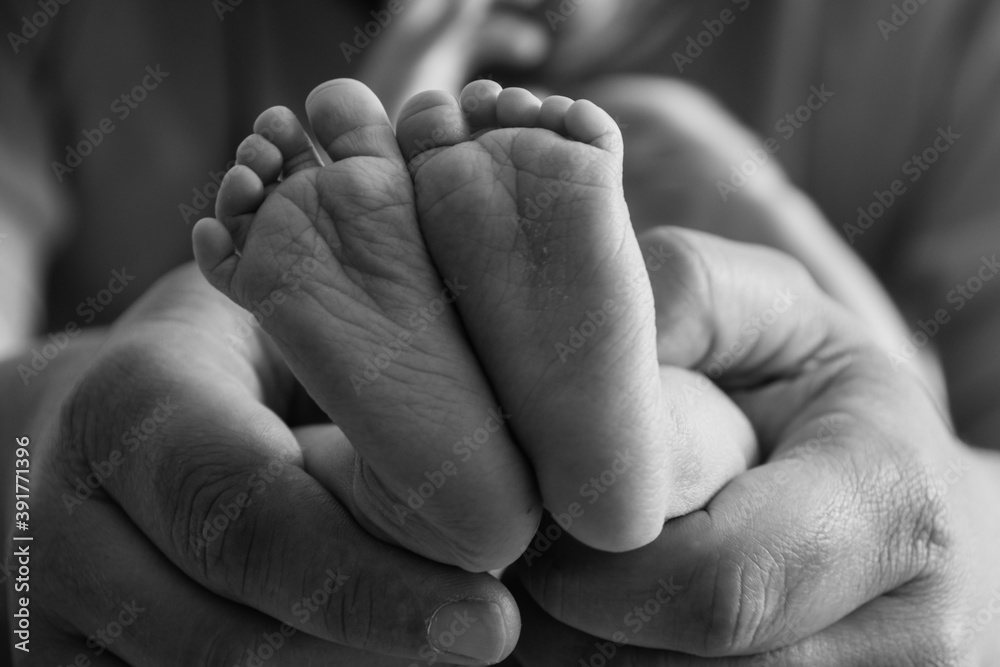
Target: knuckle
x=224 y=646
x=349 y=609
x=933 y=533
x=85 y=409
x=923 y=531
x=210 y=495
x=348 y=613
x=97 y=411
x=746 y=602
x=908 y=504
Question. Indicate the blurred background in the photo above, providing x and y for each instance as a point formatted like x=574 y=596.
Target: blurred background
x=859 y=135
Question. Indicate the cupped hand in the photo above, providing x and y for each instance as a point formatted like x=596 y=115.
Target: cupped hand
x=683 y=153
x=865 y=539
x=174 y=520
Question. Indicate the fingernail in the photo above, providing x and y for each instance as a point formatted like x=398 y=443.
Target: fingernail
x=471 y=629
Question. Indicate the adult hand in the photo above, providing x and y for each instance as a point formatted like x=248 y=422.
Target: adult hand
x=868 y=537
x=174 y=522
x=681 y=151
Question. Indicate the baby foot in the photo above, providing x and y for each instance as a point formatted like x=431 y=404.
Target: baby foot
x=366 y=324
x=523 y=199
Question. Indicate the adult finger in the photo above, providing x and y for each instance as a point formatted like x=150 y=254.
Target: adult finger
x=736 y=310
x=846 y=509
x=172 y=424
x=809 y=538
x=888 y=631
x=131 y=605
x=709 y=439
x=747 y=317
x=681 y=143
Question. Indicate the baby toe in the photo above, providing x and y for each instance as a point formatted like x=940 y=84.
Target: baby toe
x=479 y=103
x=430 y=120
x=240 y=195
x=552 y=115
x=588 y=123
x=260 y=156
x=517 y=107
x=280 y=127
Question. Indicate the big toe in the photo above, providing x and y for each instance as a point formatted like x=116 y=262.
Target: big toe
x=590 y=124
x=428 y=121
x=350 y=121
